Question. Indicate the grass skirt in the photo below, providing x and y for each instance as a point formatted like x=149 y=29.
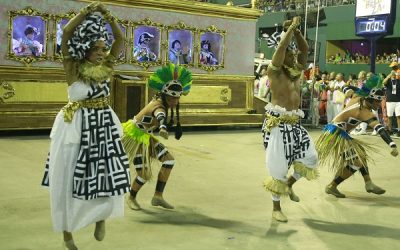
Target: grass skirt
x=336 y=148
x=138 y=142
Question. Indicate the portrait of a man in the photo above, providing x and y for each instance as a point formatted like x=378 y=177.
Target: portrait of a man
x=180 y=46
x=28 y=36
x=179 y=55
x=147 y=44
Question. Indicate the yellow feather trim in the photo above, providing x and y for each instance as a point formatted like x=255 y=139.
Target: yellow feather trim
x=89 y=72
x=293 y=73
x=275 y=186
x=136 y=141
x=304 y=171
x=331 y=148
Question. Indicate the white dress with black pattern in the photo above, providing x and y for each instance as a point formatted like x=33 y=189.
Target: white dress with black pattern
x=87 y=168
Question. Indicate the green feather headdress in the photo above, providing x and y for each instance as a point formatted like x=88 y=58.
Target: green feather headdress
x=163 y=79
x=370 y=88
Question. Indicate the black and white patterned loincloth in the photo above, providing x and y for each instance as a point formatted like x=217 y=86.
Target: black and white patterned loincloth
x=295 y=139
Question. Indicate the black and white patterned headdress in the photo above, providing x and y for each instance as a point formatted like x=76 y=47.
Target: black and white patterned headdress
x=274 y=39
x=90 y=30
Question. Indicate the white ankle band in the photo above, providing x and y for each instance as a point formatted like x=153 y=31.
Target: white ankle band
x=276 y=197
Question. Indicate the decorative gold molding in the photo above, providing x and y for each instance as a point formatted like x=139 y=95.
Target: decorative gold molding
x=208 y=94
x=69 y=15
x=255 y=4
x=225 y=111
x=39 y=91
x=226 y=95
x=32 y=113
x=12 y=71
x=182 y=26
x=8 y=92
x=231 y=124
x=221 y=63
x=146 y=22
x=33 y=108
x=28 y=11
x=250 y=94
x=190 y=7
x=237 y=78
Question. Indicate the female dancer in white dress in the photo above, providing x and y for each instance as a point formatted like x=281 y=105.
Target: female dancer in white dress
x=87 y=170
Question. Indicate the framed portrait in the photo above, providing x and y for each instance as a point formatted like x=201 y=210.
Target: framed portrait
x=146 y=43
x=212 y=49
x=180 y=44
x=27 y=36
x=123 y=25
x=59 y=22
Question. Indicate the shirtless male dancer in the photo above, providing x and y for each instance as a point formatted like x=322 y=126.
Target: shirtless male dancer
x=286 y=142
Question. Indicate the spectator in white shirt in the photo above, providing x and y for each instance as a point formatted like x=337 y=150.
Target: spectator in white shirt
x=263 y=86
x=338 y=95
x=329 y=104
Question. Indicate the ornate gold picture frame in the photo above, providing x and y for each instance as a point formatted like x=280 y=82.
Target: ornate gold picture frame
x=124 y=25
x=146 y=43
x=211 y=42
x=180 y=44
x=28 y=35
x=62 y=19
x=59 y=22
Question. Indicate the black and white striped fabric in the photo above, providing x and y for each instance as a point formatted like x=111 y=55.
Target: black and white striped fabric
x=159 y=152
x=295 y=138
x=91 y=30
x=45 y=180
x=274 y=39
x=102 y=167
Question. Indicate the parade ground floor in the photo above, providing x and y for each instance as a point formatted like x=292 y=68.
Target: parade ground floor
x=216 y=188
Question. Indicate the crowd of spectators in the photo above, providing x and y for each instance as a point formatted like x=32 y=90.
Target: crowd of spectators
x=291 y=5
x=323 y=98
x=347 y=57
